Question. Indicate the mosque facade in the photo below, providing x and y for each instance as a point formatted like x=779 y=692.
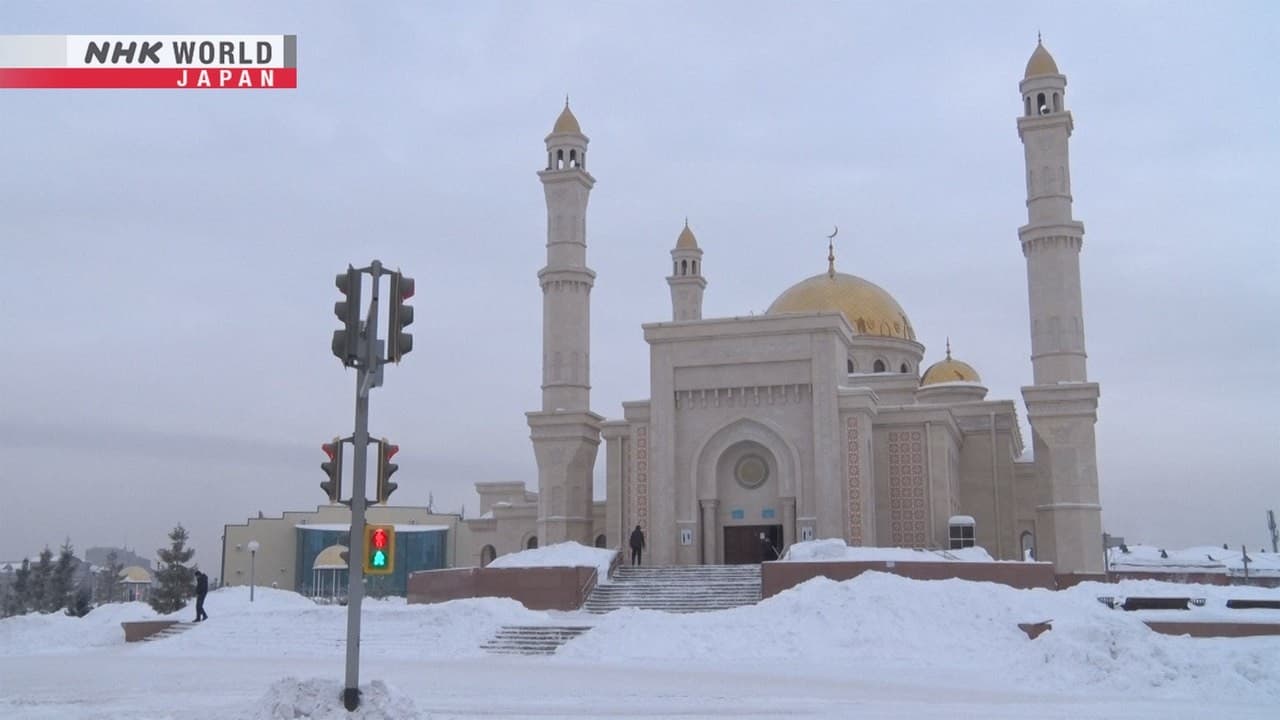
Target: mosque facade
x=819 y=419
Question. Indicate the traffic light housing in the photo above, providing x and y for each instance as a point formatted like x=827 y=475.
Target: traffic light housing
x=379 y=549
x=333 y=469
x=386 y=469
x=346 y=341
x=399 y=342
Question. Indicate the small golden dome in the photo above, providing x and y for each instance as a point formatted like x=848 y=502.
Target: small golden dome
x=949 y=370
x=330 y=559
x=1041 y=63
x=867 y=306
x=686 y=241
x=135 y=574
x=566 y=123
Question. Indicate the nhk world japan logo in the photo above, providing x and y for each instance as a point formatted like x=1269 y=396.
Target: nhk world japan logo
x=179 y=62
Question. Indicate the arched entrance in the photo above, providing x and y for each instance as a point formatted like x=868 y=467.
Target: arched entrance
x=746 y=475
x=750 y=519
x=487 y=555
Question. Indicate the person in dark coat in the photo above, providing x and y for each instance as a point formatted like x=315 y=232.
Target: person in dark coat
x=202 y=589
x=767 y=550
x=637 y=545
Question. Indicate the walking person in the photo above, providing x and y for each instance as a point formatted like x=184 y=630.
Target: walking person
x=202 y=589
x=637 y=545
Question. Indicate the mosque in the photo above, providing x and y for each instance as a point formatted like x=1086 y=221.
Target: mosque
x=817 y=419
x=814 y=420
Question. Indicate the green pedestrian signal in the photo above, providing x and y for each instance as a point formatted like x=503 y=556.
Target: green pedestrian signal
x=379 y=549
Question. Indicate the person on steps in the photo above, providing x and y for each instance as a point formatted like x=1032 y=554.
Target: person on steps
x=637 y=545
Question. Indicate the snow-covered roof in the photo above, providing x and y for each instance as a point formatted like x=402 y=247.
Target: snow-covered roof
x=346 y=527
x=1212 y=559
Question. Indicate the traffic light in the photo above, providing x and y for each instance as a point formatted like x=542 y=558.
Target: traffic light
x=379 y=549
x=333 y=468
x=386 y=469
x=399 y=342
x=346 y=341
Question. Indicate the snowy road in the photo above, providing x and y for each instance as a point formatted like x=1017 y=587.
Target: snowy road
x=151 y=687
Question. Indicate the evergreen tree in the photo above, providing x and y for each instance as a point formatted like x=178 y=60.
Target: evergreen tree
x=41 y=579
x=108 y=582
x=80 y=604
x=19 y=600
x=62 y=590
x=176 y=581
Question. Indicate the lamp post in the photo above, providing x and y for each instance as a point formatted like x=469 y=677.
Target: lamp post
x=253 y=557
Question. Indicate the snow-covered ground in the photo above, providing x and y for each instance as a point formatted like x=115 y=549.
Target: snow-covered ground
x=878 y=646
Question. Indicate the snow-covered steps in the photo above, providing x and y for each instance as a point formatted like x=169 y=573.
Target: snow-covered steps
x=678 y=588
x=148 y=630
x=174 y=629
x=532 y=639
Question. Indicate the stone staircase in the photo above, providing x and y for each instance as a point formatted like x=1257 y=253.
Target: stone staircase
x=677 y=588
x=170 y=631
x=532 y=639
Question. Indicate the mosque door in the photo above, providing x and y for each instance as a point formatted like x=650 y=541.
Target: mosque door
x=742 y=543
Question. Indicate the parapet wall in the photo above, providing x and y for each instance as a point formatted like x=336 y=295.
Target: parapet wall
x=537 y=588
x=778 y=576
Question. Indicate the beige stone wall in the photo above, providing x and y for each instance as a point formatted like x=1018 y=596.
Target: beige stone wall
x=277 y=538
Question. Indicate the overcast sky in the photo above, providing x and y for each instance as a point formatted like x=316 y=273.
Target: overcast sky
x=169 y=256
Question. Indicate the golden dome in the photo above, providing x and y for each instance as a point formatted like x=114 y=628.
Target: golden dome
x=135 y=574
x=1041 y=63
x=330 y=559
x=686 y=241
x=949 y=370
x=566 y=123
x=867 y=306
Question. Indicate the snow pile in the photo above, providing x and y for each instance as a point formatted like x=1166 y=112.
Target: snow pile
x=880 y=621
x=298 y=627
x=317 y=699
x=835 y=550
x=56 y=633
x=1207 y=559
x=565 y=554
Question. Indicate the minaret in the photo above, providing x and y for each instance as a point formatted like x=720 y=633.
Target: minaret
x=565 y=432
x=686 y=279
x=1061 y=405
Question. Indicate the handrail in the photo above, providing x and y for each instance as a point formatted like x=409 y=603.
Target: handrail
x=582 y=591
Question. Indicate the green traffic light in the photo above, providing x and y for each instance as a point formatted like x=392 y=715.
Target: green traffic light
x=379 y=559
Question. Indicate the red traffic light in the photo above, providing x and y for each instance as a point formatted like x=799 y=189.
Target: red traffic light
x=391 y=450
x=379 y=538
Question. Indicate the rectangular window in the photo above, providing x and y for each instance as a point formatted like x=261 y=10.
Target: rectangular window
x=961 y=536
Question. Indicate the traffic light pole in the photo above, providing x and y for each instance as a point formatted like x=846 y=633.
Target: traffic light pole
x=365 y=374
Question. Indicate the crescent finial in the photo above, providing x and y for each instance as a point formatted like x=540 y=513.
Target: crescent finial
x=834 y=232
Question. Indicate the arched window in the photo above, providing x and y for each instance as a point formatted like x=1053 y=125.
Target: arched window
x=904 y=368
x=532 y=544
x=559 y=159
x=1028 y=542
x=695 y=267
x=1057 y=102
x=1042 y=106
x=684 y=267
x=879 y=366
x=600 y=541
x=487 y=555
x=849 y=364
